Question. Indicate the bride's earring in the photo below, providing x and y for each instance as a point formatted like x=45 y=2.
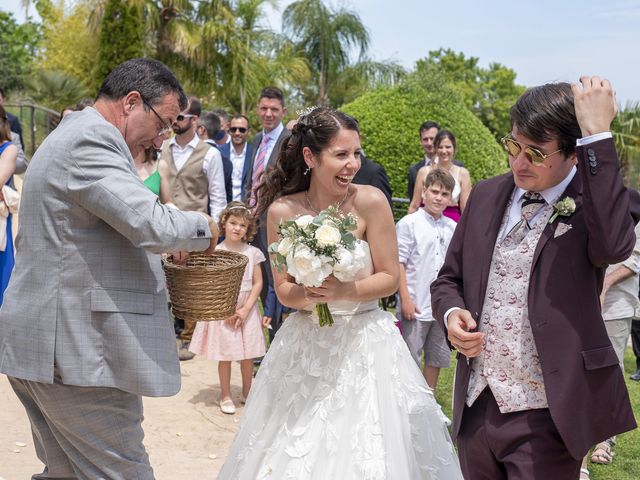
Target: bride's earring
x=307 y=171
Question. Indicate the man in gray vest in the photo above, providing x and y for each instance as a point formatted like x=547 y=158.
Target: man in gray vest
x=84 y=331
x=192 y=179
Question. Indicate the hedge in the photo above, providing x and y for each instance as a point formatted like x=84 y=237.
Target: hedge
x=389 y=122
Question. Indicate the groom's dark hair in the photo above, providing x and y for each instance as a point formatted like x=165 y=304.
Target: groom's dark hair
x=547 y=112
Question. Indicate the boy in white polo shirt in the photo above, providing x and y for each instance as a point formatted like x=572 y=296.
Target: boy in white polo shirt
x=423 y=239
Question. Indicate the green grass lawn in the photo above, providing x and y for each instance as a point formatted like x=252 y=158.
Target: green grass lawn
x=626 y=462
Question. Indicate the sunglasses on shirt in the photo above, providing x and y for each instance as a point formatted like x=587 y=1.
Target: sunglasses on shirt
x=535 y=156
x=237 y=129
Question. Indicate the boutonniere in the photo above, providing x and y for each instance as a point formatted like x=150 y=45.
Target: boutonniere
x=563 y=208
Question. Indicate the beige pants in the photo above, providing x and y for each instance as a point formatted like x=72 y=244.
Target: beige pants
x=619 y=331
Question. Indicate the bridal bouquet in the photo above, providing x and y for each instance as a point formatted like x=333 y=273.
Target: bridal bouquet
x=312 y=248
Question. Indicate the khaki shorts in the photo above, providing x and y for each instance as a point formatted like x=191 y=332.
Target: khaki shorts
x=426 y=337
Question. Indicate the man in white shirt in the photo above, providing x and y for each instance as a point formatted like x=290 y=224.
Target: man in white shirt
x=423 y=239
x=620 y=306
x=192 y=178
x=190 y=168
x=238 y=151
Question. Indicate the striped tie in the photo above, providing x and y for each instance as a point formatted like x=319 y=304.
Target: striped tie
x=258 y=168
x=531 y=204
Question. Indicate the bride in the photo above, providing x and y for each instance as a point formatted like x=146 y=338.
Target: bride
x=345 y=401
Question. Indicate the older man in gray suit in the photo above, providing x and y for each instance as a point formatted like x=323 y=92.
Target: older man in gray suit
x=84 y=331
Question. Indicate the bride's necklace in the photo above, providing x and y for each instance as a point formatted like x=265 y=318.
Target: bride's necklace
x=337 y=205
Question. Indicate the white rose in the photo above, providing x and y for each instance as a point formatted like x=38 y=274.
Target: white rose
x=284 y=246
x=327 y=236
x=307 y=268
x=349 y=263
x=304 y=220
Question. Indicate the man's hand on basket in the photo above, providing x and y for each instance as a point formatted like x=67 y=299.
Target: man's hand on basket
x=213 y=228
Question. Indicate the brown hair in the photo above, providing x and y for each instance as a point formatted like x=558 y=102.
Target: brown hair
x=442 y=177
x=5 y=128
x=239 y=209
x=547 y=112
x=315 y=130
x=441 y=135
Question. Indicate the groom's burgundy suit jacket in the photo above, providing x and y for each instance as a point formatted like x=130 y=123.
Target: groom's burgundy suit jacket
x=586 y=393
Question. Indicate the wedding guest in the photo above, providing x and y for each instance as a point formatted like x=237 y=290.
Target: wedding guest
x=147 y=167
x=537 y=381
x=84 y=330
x=8 y=157
x=423 y=239
x=265 y=148
x=239 y=337
x=445 y=148
x=620 y=305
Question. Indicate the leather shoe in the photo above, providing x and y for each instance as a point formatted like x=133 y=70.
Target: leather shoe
x=635 y=376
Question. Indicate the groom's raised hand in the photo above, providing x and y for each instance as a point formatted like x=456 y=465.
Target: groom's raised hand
x=595 y=105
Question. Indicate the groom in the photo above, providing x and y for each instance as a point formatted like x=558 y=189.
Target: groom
x=537 y=381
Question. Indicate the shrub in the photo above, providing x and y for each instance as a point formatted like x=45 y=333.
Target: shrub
x=389 y=122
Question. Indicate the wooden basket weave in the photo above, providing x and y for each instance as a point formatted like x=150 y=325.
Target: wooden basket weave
x=206 y=288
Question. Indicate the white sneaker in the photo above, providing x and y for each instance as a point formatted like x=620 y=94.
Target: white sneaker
x=227 y=406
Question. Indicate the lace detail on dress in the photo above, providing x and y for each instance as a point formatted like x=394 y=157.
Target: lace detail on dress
x=344 y=402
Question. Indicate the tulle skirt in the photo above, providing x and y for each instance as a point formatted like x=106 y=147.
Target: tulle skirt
x=342 y=402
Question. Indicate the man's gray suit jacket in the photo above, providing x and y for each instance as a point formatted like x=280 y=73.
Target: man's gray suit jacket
x=87 y=292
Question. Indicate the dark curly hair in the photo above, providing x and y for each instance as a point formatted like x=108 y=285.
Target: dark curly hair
x=315 y=130
x=239 y=209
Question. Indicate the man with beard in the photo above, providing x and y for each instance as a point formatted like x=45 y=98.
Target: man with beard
x=193 y=179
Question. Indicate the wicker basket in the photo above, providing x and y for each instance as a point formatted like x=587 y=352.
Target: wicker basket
x=207 y=287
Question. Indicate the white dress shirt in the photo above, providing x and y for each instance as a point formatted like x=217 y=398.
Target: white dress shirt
x=211 y=167
x=237 y=159
x=422 y=246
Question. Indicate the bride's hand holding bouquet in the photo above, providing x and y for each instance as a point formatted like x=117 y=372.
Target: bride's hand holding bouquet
x=314 y=248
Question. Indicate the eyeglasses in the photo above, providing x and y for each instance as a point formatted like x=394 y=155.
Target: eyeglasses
x=535 y=156
x=166 y=128
x=237 y=129
x=182 y=116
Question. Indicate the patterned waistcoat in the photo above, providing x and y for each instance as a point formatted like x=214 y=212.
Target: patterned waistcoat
x=509 y=363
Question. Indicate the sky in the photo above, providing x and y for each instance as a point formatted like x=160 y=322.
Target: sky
x=541 y=40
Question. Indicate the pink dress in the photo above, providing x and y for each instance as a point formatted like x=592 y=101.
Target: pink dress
x=219 y=341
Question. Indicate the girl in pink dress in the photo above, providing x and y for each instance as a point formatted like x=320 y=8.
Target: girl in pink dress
x=240 y=336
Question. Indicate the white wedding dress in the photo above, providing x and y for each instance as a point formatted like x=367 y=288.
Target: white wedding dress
x=342 y=402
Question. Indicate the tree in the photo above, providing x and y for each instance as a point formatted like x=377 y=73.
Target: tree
x=381 y=111
x=121 y=37
x=326 y=37
x=18 y=47
x=55 y=90
x=626 y=134
x=68 y=46
x=239 y=56
x=489 y=93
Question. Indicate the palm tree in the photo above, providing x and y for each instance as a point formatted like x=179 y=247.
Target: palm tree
x=326 y=37
x=242 y=56
x=55 y=90
x=626 y=134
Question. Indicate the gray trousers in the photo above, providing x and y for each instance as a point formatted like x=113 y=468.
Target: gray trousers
x=85 y=432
